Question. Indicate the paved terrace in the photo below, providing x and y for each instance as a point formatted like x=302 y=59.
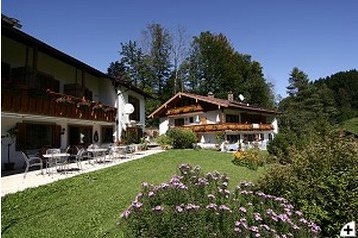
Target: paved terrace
x=17 y=182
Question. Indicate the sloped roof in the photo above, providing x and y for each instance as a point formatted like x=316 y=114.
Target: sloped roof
x=13 y=33
x=216 y=101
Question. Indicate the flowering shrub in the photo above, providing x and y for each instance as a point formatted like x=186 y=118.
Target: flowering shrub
x=196 y=205
x=249 y=158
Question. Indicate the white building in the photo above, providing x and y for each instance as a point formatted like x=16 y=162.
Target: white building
x=50 y=99
x=212 y=118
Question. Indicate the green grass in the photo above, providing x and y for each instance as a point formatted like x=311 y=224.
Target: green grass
x=351 y=125
x=89 y=205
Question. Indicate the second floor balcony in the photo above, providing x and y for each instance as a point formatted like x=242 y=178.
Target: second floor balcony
x=229 y=127
x=49 y=103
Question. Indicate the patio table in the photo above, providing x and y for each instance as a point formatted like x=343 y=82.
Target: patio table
x=97 y=152
x=56 y=157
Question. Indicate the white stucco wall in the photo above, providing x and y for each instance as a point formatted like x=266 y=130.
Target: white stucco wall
x=163 y=126
x=275 y=126
x=123 y=119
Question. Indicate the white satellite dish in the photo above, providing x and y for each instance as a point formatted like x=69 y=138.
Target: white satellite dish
x=241 y=97
x=128 y=108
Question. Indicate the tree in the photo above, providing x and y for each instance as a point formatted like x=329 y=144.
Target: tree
x=214 y=65
x=157 y=48
x=298 y=82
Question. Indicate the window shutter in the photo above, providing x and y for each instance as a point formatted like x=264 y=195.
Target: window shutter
x=56 y=136
x=20 y=136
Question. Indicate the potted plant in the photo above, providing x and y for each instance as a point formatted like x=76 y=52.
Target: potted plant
x=9 y=139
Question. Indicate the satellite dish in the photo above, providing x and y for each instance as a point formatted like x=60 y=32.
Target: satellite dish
x=241 y=97
x=128 y=108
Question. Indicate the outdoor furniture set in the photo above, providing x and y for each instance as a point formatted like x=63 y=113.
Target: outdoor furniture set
x=56 y=161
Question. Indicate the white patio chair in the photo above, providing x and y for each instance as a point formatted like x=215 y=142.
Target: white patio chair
x=79 y=157
x=32 y=161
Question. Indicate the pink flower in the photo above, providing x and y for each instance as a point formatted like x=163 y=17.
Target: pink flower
x=242 y=209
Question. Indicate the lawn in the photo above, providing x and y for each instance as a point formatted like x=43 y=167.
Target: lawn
x=89 y=205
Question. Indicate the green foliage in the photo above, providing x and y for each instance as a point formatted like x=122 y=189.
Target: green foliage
x=344 y=87
x=196 y=205
x=214 y=65
x=351 y=125
x=321 y=180
x=251 y=159
x=181 y=138
x=165 y=141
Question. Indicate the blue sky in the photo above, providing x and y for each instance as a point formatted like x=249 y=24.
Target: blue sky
x=319 y=37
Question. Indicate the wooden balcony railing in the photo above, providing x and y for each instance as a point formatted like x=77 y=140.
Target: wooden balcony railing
x=229 y=127
x=23 y=101
x=185 y=109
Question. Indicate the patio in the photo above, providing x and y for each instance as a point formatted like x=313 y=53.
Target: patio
x=17 y=182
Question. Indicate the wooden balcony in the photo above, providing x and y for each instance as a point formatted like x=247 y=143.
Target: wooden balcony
x=229 y=127
x=185 y=109
x=50 y=104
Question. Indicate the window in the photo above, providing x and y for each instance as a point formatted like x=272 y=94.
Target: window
x=270 y=137
x=232 y=138
x=35 y=136
x=179 y=122
x=136 y=114
x=107 y=134
x=191 y=119
x=232 y=118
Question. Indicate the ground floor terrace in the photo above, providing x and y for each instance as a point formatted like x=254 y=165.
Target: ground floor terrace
x=37 y=133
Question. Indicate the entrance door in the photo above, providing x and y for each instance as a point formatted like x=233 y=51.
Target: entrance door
x=80 y=135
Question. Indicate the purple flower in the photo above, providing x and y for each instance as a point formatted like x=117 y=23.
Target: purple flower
x=125 y=214
x=242 y=209
x=158 y=209
x=211 y=196
x=151 y=194
x=202 y=182
x=254 y=229
x=212 y=206
x=266 y=227
x=246 y=184
x=179 y=209
x=192 y=207
x=139 y=196
x=299 y=213
x=224 y=208
x=237 y=229
x=295 y=227
x=245 y=192
x=137 y=204
x=257 y=216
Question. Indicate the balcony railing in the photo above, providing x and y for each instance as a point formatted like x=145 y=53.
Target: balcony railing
x=54 y=104
x=184 y=109
x=229 y=127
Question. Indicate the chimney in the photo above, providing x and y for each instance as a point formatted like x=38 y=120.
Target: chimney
x=230 y=96
x=210 y=95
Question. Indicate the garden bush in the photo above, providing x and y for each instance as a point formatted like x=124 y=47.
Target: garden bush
x=165 y=141
x=322 y=181
x=251 y=159
x=195 y=205
x=181 y=138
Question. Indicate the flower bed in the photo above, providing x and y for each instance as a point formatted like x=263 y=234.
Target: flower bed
x=195 y=205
